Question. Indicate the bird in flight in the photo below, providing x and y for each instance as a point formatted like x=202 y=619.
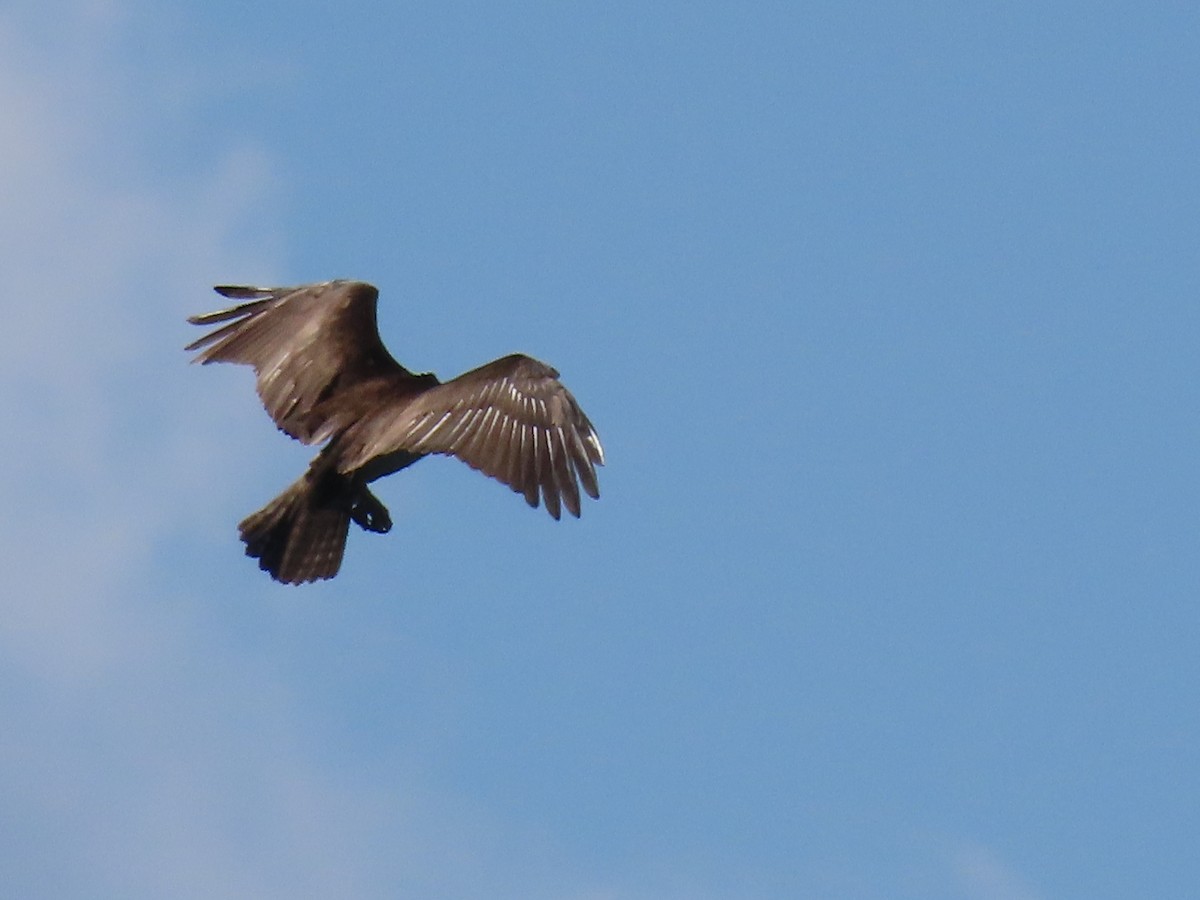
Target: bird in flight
x=325 y=377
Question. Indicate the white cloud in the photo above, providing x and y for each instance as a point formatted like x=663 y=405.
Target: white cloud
x=123 y=768
x=984 y=876
x=140 y=756
x=101 y=434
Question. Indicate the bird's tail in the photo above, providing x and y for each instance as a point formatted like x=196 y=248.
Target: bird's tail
x=301 y=535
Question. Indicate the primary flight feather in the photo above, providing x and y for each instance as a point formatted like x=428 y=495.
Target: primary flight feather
x=325 y=377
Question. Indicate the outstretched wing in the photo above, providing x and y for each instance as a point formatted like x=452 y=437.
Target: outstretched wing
x=511 y=419
x=310 y=347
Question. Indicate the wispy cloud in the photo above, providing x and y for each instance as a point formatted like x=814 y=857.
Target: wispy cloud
x=127 y=765
x=141 y=756
x=983 y=875
x=102 y=444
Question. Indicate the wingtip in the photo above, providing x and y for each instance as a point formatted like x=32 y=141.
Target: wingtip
x=212 y=318
x=594 y=440
x=241 y=291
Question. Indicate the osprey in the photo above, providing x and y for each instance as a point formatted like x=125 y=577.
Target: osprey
x=325 y=378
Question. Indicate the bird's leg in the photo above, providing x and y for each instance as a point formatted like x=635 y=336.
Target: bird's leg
x=369 y=513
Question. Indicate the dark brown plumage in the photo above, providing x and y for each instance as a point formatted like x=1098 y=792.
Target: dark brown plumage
x=325 y=378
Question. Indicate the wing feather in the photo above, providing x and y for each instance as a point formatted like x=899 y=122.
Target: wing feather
x=530 y=483
x=312 y=349
x=567 y=485
x=511 y=419
x=583 y=465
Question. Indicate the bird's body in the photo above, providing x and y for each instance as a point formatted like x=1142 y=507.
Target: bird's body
x=325 y=377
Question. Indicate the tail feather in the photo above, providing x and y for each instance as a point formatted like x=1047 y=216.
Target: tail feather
x=300 y=535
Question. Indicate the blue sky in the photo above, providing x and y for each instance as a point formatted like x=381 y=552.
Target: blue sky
x=887 y=317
